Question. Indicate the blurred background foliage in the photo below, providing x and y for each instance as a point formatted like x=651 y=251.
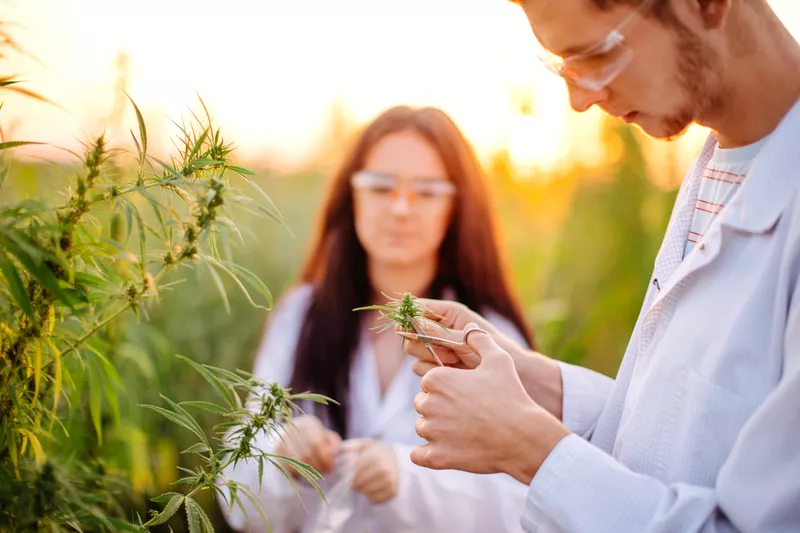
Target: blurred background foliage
x=579 y=243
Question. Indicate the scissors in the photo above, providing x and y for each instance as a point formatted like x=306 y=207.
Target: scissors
x=429 y=340
x=426 y=340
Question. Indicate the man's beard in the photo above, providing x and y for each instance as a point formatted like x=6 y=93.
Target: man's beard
x=697 y=80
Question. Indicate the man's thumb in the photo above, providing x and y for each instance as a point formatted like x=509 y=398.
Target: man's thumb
x=481 y=342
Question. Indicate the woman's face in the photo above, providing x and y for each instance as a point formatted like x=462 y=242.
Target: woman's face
x=403 y=201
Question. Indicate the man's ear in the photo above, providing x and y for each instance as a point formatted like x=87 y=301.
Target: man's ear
x=713 y=12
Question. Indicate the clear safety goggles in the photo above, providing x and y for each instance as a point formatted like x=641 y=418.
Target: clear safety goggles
x=597 y=66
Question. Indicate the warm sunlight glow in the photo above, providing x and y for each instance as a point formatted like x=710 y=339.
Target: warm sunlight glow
x=272 y=72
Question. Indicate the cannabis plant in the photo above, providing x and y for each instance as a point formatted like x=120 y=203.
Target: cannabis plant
x=402 y=314
x=70 y=272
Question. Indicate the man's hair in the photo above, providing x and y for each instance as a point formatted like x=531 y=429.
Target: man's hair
x=605 y=4
x=659 y=9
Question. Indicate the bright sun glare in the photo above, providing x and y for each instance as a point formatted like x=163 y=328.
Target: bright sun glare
x=272 y=71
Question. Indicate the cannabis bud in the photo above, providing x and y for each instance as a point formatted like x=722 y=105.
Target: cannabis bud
x=402 y=312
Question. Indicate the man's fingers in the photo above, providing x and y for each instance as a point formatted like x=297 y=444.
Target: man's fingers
x=482 y=343
x=419 y=399
x=422 y=427
x=418 y=350
x=421 y=368
x=443 y=311
x=427 y=457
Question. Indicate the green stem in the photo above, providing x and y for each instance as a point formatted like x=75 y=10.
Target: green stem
x=95 y=329
x=121 y=192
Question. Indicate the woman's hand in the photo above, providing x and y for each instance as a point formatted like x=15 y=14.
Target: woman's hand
x=308 y=441
x=376 y=470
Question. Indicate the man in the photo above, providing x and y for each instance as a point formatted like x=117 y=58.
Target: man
x=700 y=430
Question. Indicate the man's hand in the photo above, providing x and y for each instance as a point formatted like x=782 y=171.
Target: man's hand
x=482 y=420
x=539 y=374
x=309 y=442
x=376 y=470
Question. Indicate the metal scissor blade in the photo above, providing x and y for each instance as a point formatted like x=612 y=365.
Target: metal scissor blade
x=427 y=344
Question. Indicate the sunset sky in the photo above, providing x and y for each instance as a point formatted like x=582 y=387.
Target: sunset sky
x=272 y=71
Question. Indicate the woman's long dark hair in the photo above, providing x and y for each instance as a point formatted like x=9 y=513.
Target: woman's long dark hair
x=469 y=260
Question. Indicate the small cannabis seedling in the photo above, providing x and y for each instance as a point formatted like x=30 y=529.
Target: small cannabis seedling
x=403 y=312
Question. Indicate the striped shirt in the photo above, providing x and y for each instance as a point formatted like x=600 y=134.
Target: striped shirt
x=722 y=178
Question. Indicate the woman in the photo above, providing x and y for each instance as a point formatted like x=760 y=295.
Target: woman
x=407 y=212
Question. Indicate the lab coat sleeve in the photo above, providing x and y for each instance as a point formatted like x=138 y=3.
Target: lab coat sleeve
x=584 y=394
x=580 y=488
x=449 y=500
x=274 y=363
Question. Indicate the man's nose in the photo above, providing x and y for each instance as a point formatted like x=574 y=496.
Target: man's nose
x=581 y=99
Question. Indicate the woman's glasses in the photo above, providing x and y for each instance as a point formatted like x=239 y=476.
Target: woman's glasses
x=424 y=194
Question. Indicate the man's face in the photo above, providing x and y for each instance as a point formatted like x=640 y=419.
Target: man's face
x=670 y=80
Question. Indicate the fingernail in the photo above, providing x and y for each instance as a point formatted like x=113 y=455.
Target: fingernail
x=407 y=335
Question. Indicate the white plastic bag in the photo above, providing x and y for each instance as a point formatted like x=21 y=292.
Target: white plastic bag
x=334 y=516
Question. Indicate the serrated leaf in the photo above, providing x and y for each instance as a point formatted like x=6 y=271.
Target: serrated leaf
x=200 y=163
x=56 y=376
x=267 y=211
x=198 y=447
x=168 y=512
x=138 y=146
x=227 y=374
x=207 y=406
x=128 y=221
x=235 y=279
x=95 y=399
x=188 y=480
x=205 y=522
x=198 y=144
x=16 y=286
x=253 y=280
x=142 y=128
x=239 y=170
x=90 y=280
x=140 y=226
x=318 y=398
x=213 y=380
x=12 y=451
x=197 y=430
x=192 y=517
x=257 y=505
x=41 y=272
x=163 y=498
x=219 y=286
x=37 y=370
x=13 y=144
x=308 y=473
x=36 y=446
x=174 y=417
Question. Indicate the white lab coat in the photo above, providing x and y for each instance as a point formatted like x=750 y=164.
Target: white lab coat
x=700 y=430
x=427 y=501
